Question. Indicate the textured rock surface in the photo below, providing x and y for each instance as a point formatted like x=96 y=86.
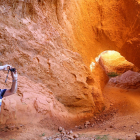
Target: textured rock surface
x=100 y=80
x=128 y=80
x=112 y=61
x=52 y=79
x=31 y=103
x=92 y=27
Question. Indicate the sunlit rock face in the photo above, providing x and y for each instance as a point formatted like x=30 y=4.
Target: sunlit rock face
x=113 y=62
x=100 y=80
x=98 y=25
x=128 y=80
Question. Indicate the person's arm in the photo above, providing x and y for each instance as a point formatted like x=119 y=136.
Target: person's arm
x=14 y=85
x=5 y=67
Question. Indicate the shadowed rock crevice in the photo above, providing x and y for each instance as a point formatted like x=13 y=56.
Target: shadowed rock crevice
x=90 y=80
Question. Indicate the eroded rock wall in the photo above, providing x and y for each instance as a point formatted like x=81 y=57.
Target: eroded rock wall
x=52 y=78
x=89 y=27
x=53 y=42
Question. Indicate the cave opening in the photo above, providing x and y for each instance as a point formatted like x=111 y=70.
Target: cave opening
x=121 y=93
x=113 y=63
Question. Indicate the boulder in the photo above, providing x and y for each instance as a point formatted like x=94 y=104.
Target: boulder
x=129 y=80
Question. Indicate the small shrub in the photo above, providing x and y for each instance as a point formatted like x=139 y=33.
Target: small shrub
x=42 y=135
x=112 y=74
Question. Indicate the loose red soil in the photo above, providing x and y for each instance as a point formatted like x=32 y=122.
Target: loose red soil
x=119 y=120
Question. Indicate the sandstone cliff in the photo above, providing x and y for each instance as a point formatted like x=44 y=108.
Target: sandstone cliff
x=53 y=44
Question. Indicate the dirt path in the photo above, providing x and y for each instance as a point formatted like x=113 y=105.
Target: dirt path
x=120 y=120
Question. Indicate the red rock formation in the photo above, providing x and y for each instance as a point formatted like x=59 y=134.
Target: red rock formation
x=43 y=40
x=129 y=80
x=52 y=79
x=96 y=26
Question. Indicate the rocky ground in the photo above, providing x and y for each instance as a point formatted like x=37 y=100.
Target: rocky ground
x=119 y=120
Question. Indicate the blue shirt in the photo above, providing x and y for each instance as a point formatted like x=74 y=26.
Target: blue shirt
x=2 y=91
